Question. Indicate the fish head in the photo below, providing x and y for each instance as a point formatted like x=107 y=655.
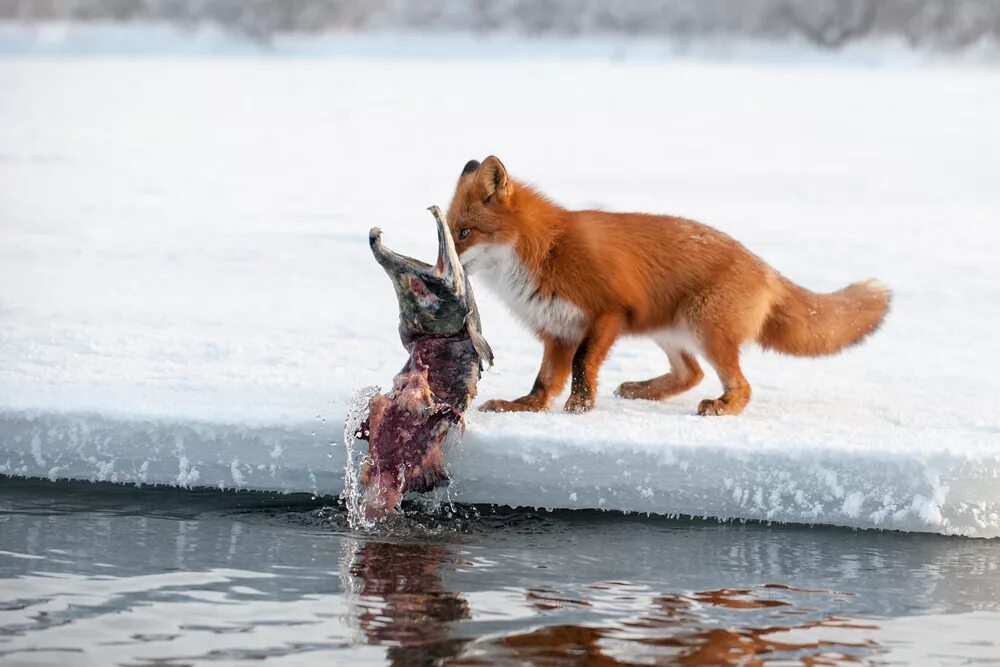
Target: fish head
x=434 y=299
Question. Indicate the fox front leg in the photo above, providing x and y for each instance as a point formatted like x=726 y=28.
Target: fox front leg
x=587 y=361
x=557 y=361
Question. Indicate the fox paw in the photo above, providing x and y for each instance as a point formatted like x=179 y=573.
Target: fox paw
x=634 y=390
x=578 y=404
x=717 y=406
x=500 y=405
x=711 y=407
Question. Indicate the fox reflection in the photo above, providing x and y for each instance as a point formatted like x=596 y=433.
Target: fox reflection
x=402 y=601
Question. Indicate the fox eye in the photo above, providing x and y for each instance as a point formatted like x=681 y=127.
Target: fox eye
x=464 y=234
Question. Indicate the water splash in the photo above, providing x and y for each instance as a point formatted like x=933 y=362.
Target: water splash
x=436 y=509
x=436 y=503
x=357 y=412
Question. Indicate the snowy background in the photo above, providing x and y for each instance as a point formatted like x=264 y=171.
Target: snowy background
x=187 y=296
x=944 y=26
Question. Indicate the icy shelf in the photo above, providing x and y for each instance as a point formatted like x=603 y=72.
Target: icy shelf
x=552 y=461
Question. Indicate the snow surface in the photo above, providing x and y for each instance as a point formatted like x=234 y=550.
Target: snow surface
x=187 y=296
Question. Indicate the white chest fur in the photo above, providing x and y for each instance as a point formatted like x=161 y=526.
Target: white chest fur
x=501 y=269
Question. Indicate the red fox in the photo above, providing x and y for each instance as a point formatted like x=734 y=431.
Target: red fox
x=581 y=279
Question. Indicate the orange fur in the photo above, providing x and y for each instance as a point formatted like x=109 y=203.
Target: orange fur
x=593 y=276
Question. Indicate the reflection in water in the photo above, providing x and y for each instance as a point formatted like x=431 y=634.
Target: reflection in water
x=674 y=630
x=92 y=576
x=742 y=644
x=400 y=599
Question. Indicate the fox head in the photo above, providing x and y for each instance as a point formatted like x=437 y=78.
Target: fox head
x=481 y=212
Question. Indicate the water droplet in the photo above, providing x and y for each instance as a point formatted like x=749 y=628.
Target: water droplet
x=357 y=412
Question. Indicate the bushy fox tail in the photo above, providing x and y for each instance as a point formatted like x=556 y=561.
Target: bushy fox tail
x=808 y=324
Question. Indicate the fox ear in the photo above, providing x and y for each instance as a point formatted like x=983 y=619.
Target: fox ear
x=493 y=178
x=471 y=167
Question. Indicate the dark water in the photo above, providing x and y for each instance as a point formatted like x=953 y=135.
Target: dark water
x=99 y=575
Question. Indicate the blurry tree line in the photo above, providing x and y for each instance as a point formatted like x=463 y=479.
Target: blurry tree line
x=935 y=24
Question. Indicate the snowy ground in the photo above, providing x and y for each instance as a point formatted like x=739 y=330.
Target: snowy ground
x=187 y=297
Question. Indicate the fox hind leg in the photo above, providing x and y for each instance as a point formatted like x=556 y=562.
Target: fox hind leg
x=685 y=373
x=724 y=356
